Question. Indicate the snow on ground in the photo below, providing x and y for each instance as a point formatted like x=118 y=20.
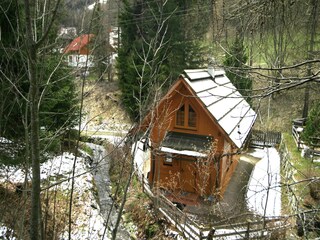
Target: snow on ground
x=91 y=6
x=264 y=193
x=88 y=224
x=141 y=157
x=5 y=140
x=115 y=140
x=6 y=233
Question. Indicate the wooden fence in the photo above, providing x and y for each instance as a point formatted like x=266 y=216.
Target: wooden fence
x=264 y=138
x=260 y=228
x=296 y=133
x=313 y=149
x=287 y=176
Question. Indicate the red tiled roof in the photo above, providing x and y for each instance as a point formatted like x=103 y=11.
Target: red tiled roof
x=78 y=43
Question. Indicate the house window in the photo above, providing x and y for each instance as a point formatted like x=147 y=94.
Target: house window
x=70 y=59
x=186 y=117
x=192 y=117
x=180 y=116
x=168 y=159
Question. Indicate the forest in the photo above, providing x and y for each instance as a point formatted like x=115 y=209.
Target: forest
x=270 y=51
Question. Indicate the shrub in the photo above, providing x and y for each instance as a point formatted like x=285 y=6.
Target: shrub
x=311 y=132
x=314 y=188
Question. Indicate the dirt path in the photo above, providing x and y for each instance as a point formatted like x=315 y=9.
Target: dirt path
x=234 y=200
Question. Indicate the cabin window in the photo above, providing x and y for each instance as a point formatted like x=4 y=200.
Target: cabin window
x=192 y=117
x=180 y=116
x=186 y=117
x=70 y=59
x=168 y=159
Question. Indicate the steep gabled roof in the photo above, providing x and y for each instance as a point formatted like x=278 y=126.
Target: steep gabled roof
x=222 y=100
x=78 y=43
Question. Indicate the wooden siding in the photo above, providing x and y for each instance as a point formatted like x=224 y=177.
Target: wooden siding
x=184 y=174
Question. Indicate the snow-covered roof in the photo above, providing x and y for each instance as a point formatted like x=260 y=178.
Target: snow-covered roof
x=223 y=101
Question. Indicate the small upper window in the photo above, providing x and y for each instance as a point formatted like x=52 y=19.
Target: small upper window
x=180 y=116
x=192 y=118
x=186 y=117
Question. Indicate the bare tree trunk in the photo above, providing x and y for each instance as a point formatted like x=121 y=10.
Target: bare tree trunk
x=32 y=46
x=313 y=29
x=34 y=130
x=35 y=144
x=124 y=199
x=26 y=168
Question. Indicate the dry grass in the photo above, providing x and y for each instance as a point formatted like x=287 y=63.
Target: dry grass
x=15 y=211
x=102 y=104
x=138 y=207
x=140 y=210
x=275 y=113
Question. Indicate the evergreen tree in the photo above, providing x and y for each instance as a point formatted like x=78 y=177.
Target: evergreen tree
x=13 y=83
x=176 y=46
x=311 y=132
x=235 y=61
x=58 y=104
x=99 y=43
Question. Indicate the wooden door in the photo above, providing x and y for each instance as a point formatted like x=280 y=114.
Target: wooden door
x=187 y=176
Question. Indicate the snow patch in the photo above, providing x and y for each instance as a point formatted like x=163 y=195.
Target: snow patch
x=264 y=192
x=6 y=233
x=142 y=156
x=183 y=152
x=5 y=140
x=88 y=223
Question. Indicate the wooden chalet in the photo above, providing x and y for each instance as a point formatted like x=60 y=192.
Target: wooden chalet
x=195 y=134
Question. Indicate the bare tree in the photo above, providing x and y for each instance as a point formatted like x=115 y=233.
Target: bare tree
x=33 y=44
x=312 y=31
x=148 y=77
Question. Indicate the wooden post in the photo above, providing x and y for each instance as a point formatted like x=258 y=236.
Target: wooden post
x=248 y=229
x=143 y=182
x=211 y=234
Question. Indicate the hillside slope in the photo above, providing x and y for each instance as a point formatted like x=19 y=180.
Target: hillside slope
x=103 y=109
x=275 y=113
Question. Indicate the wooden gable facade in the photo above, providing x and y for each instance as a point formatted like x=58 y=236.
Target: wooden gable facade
x=193 y=150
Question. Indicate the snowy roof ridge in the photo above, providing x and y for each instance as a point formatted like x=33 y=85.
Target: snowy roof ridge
x=223 y=101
